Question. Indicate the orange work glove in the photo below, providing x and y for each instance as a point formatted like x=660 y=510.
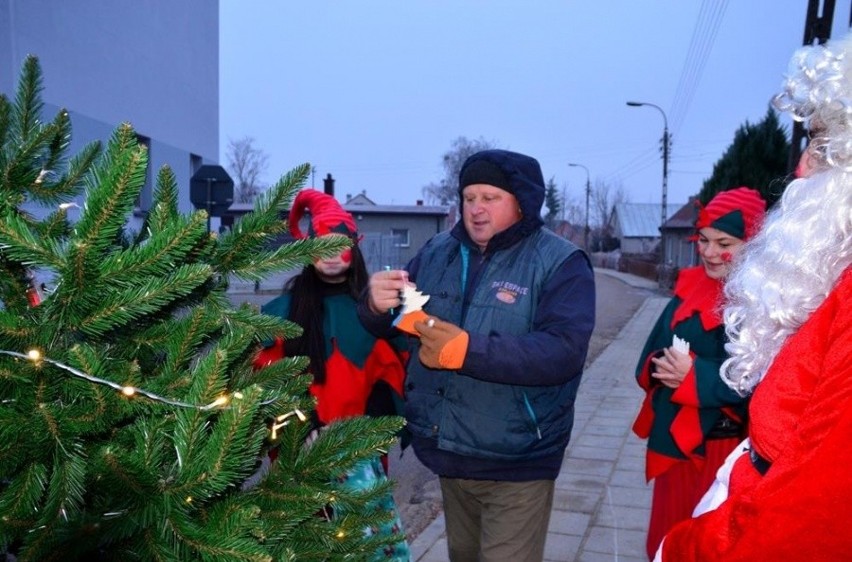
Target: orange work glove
x=443 y=345
x=405 y=322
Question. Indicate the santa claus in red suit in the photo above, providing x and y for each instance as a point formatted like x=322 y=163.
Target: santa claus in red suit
x=786 y=493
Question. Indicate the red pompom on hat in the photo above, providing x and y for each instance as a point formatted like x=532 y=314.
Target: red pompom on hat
x=327 y=216
x=738 y=212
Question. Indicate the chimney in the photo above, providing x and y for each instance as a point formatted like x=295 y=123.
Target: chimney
x=420 y=202
x=328 y=185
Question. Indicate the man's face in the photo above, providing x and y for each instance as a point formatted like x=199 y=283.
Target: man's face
x=487 y=210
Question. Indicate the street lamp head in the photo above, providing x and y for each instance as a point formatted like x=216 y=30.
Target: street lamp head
x=655 y=106
x=666 y=141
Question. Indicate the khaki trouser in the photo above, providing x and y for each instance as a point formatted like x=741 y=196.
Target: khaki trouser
x=490 y=521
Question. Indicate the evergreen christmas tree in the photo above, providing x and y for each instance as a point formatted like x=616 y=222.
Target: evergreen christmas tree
x=130 y=415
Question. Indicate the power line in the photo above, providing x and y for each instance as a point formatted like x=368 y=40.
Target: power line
x=703 y=37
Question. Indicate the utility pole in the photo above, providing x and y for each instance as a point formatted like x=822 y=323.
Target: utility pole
x=588 y=193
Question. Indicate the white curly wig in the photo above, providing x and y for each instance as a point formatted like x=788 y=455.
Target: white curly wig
x=788 y=269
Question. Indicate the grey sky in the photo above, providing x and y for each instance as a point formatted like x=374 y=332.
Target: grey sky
x=375 y=91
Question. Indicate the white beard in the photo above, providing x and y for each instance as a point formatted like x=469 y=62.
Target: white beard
x=785 y=272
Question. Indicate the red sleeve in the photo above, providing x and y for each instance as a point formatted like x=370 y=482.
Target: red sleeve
x=387 y=364
x=645 y=418
x=268 y=355
x=687 y=393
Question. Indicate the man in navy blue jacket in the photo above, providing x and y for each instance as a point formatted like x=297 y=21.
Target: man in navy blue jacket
x=497 y=359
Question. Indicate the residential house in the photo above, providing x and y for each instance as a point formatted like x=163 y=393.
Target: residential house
x=678 y=246
x=390 y=234
x=569 y=231
x=637 y=226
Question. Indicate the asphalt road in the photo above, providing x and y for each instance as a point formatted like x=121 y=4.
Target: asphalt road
x=417 y=491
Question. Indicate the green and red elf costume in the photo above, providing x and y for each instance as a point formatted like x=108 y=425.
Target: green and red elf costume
x=361 y=374
x=692 y=429
x=355 y=361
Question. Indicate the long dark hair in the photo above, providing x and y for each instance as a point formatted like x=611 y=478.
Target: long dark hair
x=306 y=309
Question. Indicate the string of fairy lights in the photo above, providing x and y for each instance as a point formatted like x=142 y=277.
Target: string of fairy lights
x=35 y=356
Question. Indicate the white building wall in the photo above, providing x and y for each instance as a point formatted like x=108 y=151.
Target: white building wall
x=152 y=63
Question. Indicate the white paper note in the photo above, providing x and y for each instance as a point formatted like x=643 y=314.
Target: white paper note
x=680 y=345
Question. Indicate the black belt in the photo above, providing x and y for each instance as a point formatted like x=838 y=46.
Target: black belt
x=760 y=464
x=725 y=428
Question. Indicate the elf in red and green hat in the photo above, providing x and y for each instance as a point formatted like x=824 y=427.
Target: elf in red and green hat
x=691 y=418
x=354 y=372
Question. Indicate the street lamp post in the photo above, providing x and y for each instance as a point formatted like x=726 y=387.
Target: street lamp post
x=588 y=193
x=665 y=155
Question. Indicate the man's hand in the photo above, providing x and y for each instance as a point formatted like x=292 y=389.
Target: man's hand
x=385 y=287
x=443 y=345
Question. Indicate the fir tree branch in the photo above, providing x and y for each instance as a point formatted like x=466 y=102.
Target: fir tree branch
x=165 y=202
x=112 y=190
x=71 y=181
x=158 y=256
x=5 y=130
x=19 y=243
x=28 y=105
x=259 y=227
x=124 y=306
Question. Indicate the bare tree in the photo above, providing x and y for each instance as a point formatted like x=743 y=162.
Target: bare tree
x=246 y=163
x=604 y=198
x=571 y=208
x=446 y=192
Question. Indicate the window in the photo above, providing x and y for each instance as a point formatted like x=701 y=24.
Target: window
x=400 y=237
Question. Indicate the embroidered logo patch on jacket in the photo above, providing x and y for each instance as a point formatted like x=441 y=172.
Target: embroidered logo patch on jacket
x=508 y=292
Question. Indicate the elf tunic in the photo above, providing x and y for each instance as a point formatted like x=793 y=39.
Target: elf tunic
x=685 y=444
x=800 y=424
x=355 y=362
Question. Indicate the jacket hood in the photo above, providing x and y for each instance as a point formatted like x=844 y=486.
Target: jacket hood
x=525 y=179
x=526 y=183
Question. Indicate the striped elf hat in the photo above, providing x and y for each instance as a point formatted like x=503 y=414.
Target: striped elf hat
x=327 y=216
x=738 y=212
